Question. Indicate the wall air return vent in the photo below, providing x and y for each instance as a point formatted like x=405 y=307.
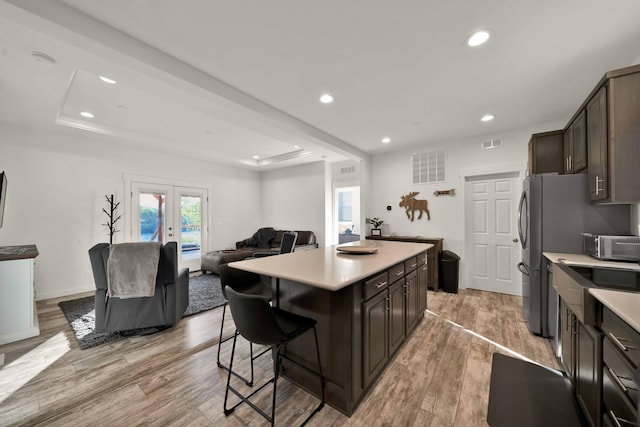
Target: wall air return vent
x=348 y=169
x=492 y=143
x=429 y=167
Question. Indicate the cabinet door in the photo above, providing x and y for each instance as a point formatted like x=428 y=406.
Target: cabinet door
x=432 y=261
x=588 y=355
x=396 y=315
x=423 y=273
x=375 y=332
x=567 y=320
x=411 y=301
x=568 y=150
x=579 y=142
x=597 y=142
x=546 y=152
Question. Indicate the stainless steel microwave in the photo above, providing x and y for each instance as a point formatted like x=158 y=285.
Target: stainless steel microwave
x=613 y=248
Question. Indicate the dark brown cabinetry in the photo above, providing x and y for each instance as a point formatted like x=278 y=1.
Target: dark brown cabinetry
x=575 y=145
x=597 y=138
x=411 y=301
x=581 y=358
x=567 y=333
x=375 y=336
x=390 y=313
x=601 y=138
x=614 y=131
x=621 y=358
x=433 y=254
x=545 y=152
x=423 y=273
x=588 y=357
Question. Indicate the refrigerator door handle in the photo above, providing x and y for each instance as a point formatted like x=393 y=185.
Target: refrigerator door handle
x=523 y=238
x=523 y=268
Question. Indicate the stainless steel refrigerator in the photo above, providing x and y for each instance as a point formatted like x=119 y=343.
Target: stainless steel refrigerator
x=553 y=212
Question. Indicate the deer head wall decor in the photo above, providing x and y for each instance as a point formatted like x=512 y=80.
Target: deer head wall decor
x=411 y=204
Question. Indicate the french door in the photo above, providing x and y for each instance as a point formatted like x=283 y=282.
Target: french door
x=165 y=213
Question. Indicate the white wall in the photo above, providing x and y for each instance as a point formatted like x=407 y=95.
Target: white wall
x=55 y=193
x=293 y=198
x=391 y=178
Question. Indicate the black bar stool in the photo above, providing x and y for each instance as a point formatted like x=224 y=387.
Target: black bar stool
x=246 y=283
x=260 y=323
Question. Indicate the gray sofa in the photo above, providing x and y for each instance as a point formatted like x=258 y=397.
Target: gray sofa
x=165 y=308
x=268 y=238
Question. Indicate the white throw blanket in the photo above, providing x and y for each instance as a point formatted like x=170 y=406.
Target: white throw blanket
x=132 y=269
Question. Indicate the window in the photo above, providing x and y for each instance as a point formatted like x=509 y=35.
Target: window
x=345 y=206
x=429 y=167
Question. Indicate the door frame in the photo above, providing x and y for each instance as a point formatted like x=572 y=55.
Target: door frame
x=334 y=209
x=127 y=200
x=463 y=174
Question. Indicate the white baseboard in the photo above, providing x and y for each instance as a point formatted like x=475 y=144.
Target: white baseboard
x=62 y=292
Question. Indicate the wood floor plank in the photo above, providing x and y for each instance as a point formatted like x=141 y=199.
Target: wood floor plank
x=439 y=377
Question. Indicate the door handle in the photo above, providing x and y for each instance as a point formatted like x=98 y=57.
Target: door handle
x=515 y=240
x=523 y=268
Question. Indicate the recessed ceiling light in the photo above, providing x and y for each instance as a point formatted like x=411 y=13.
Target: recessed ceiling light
x=478 y=38
x=296 y=146
x=87 y=114
x=256 y=157
x=487 y=117
x=386 y=140
x=326 y=99
x=108 y=80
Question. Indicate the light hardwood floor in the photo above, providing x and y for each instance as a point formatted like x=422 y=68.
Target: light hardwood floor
x=440 y=376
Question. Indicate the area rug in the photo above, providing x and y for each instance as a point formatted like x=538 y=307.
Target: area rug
x=204 y=294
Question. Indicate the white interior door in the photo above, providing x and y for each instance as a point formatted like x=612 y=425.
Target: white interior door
x=492 y=236
x=165 y=213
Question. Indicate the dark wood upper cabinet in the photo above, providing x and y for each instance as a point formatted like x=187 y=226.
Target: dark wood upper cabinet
x=575 y=145
x=545 y=152
x=602 y=138
x=597 y=139
x=613 y=137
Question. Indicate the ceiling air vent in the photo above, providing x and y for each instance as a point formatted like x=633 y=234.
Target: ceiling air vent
x=492 y=143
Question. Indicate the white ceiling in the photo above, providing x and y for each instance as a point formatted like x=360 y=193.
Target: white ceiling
x=227 y=80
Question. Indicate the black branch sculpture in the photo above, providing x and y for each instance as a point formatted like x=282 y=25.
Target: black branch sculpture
x=111 y=215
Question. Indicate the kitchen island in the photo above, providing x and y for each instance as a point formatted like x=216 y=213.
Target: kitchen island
x=366 y=305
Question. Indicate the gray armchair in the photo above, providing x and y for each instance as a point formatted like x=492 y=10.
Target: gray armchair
x=164 y=308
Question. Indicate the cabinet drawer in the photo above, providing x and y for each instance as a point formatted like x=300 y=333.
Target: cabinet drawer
x=620 y=370
x=410 y=264
x=622 y=336
x=396 y=272
x=616 y=404
x=376 y=284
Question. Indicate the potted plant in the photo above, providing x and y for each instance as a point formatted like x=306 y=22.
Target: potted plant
x=376 y=222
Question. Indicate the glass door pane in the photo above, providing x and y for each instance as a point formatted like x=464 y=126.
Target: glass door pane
x=152 y=217
x=190 y=227
x=167 y=213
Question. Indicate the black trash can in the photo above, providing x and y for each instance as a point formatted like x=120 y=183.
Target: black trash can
x=449 y=262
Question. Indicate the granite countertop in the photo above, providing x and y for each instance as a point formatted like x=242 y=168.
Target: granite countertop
x=625 y=304
x=329 y=269
x=581 y=260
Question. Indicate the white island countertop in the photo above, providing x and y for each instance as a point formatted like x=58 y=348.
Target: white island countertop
x=329 y=269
